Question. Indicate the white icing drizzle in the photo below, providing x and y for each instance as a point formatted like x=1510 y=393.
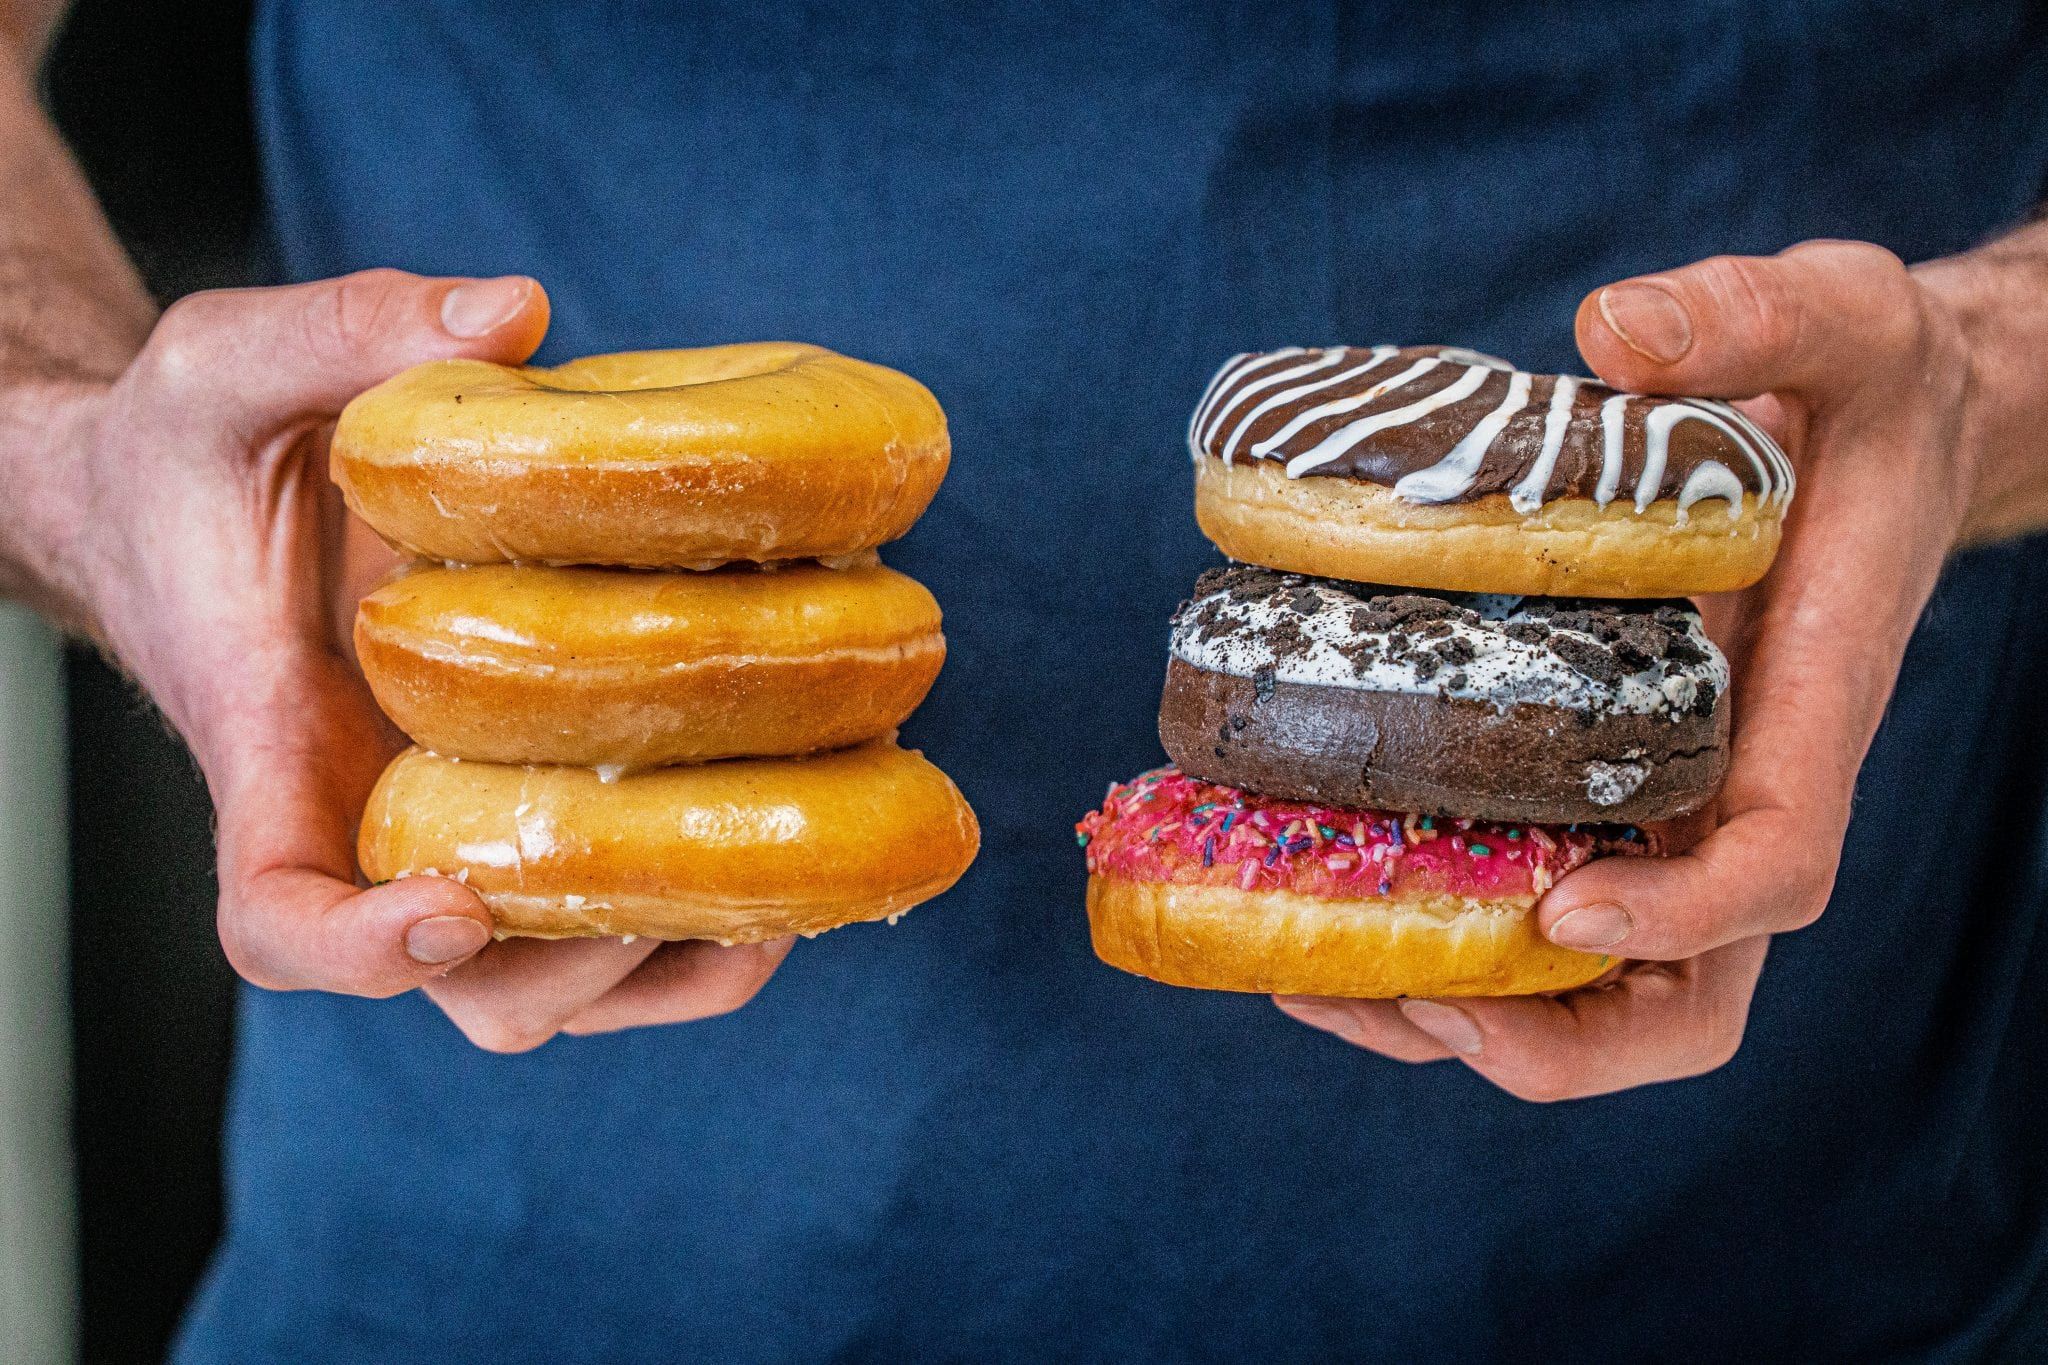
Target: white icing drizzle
x=1339 y=406
x=1246 y=376
x=1711 y=480
x=1225 y=376
x=1465 y=355
x=1225 y=406
x=1657 y=448
x=1760 y=445
x=1341 y=440
x=1527 y=495
x=1611 y=413
x=1451 y=476
x=1299 y=391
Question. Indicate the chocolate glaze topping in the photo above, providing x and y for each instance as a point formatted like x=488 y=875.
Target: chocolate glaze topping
x=1442 y=424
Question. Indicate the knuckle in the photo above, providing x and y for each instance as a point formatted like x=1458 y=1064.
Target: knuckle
x=184 y=341
x=1896 y=324
x=1749 y=288
x=1542 y=1081
x=244 y=951
x=1722 y=1045
x=500 y=1034
x=348 y=318
x=1812 y=888
x=732 y=995
x=1866 y=260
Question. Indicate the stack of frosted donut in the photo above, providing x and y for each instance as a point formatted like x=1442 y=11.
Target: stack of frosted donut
x=649 y=659
x=1453 y=663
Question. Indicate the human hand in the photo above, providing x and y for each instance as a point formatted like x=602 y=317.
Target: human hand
x=184 y=519
x=1865 y=370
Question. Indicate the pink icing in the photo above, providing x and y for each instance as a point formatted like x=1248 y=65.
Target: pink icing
x=1167 y=826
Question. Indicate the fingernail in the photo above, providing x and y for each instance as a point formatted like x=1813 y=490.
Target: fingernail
x=478 y=307
x=445 y=938
x=1648 y=319
x=1592 y=926
x=1448 y=1024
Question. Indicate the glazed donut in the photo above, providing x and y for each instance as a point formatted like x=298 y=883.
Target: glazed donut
x=1435 y=467
x=737 y=852
x=1201 y=885
x=614 y=668
x=651 y=459
x=1496 y=708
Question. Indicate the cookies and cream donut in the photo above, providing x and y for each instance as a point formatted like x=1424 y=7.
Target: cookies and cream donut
x=1431 y=466
x=652 y=459
x=738 y=852
x=1499 y=708
x=1196 y=884
x=622 y=669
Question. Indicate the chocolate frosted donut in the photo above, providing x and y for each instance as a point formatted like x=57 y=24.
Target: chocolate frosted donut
x=1484 y=707
x=1440 y=467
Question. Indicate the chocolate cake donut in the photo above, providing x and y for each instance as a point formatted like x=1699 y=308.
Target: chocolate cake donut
x=1483 y=707
x=1438 y=467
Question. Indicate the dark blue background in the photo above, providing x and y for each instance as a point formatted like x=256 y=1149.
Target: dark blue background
x=964 y=1138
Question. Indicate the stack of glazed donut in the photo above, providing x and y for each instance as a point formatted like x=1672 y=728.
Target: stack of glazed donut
x=647 y=654
x=1453 y=663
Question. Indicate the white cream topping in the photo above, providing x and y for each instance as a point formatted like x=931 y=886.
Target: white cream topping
x=1502 y=670
x=1610 y=784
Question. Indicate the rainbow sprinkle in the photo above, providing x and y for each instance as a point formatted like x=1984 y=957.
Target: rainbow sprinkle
x=1167 y=826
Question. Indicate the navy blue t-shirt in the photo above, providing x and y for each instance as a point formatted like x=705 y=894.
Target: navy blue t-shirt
x=962 y=1137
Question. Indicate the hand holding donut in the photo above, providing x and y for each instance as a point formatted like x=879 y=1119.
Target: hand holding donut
x=179 y=512
x=1876 y=378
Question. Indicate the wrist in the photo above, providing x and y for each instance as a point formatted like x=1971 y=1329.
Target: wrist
x=47 y=435
x=1995 y=301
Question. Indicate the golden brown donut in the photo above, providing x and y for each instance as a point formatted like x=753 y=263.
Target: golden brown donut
x=1219 y=938
x=737 y=852
x=654 y=459
x=1434 y=467
x=616 y=668
x=1197 y=884
x=1571 y=547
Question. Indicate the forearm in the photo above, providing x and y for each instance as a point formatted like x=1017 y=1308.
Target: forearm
x=73 y=313
x=1998 y=296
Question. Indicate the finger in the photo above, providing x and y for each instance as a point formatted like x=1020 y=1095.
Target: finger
x=518 y=995
x=1655 y=1022
x=1815 y=650
x=1376 y=1025
x=289 y=770
x=293 y=928
x=1820 y=321
x=683 y=982
x=266 y=358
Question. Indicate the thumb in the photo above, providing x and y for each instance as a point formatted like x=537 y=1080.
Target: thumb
x=1817 y=321
x=295 y=928
x=277 y=356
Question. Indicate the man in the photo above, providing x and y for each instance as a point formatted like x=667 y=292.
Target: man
x=962 y=1137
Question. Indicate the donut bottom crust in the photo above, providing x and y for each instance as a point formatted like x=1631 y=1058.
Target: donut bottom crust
x=1353 y=529
x=1278 y=942
x=735 y=852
